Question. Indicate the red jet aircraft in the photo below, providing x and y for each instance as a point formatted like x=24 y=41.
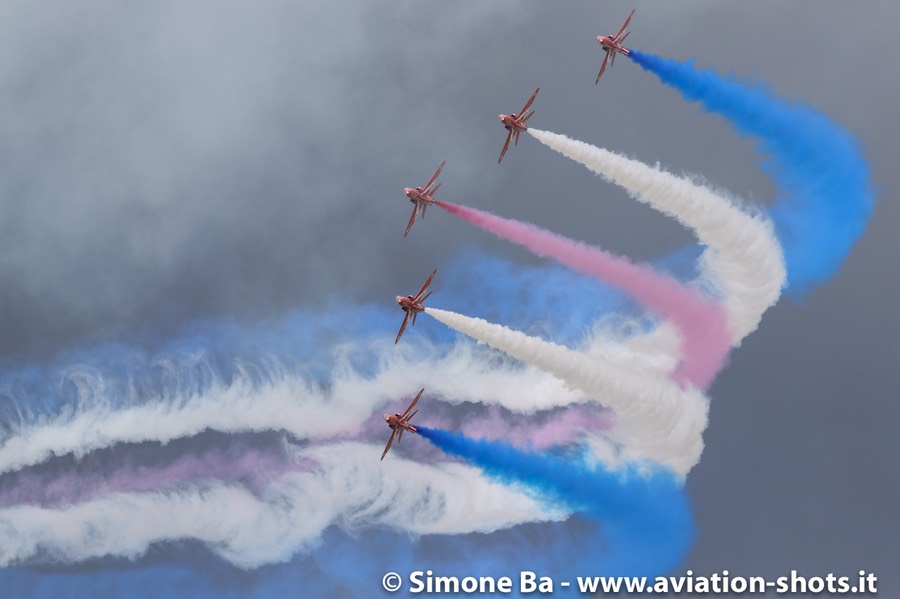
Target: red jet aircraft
x=612 y=44
x=412 y=304
x=421 y=197
x=515 y=124
x=400 y=422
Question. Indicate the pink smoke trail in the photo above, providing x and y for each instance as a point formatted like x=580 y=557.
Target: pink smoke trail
x=705 y=340
x=557 y=429
x=255 y=468
x=252 y=467
x=537 y=431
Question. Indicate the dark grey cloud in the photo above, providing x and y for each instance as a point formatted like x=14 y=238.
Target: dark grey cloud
x=206 y=159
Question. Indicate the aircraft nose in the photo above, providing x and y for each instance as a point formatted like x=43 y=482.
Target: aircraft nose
x=399 y=301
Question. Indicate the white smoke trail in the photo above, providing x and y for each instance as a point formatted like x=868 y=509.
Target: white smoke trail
x=655 y=419
x=284 y=401
x=287 y=517
x=745 y=257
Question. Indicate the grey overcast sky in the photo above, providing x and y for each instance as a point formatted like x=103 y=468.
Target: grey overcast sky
x=168 y=161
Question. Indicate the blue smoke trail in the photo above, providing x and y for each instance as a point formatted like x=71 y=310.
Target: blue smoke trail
x=344 y=565
x=149 y=369
x=628 y=525
x=824 y=194
x=206 y=352
x=209 y=352
x=646 y=521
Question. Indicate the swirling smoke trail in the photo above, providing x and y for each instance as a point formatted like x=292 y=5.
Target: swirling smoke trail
x=824 y=195
x=646 y=521
x=743 y=259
